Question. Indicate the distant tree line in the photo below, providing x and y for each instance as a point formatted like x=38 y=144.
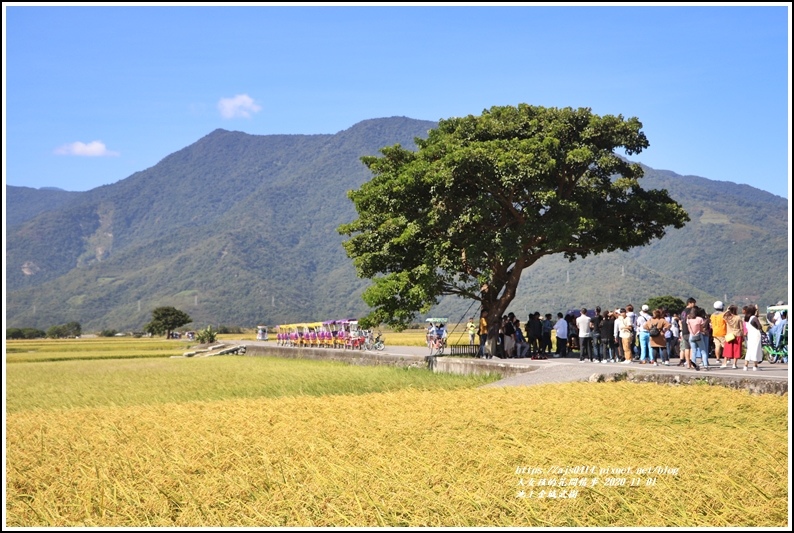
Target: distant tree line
x=63 y=331
x=165 y=320
x=25 y=333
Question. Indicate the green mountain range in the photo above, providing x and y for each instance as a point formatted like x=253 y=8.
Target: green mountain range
x=24 y=203
x=240 y=229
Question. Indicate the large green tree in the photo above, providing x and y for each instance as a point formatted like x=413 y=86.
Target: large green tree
x=63 y=331
x=485 y=197
x=674 y=304
x=165 y=320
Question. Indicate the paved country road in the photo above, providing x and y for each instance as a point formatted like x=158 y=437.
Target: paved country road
x=570 y=369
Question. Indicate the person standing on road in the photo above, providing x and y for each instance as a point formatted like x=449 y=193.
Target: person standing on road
x=595 y=333
x=585 y=337
x=672 y=335
x=607 y=327
x=718 y=329
x=561 y=332
x=522 y=347
x=472 y=329
x=616 y=336
x=698 y=343
x=534 y=329
x=545 y=339
x=754 y=351
x=733 y=336
x=573 y=333
x=624 y=327
x=686 y=352
x=483 y=334
x=632 y=316
x=657 y=343
x=510 y=336
x=643 y=336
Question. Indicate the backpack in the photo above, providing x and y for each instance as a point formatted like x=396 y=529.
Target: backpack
x=654 y=331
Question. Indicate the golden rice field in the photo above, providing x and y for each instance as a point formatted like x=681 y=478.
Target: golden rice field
x=413 y=456
x=41 y=350
x=126 y=382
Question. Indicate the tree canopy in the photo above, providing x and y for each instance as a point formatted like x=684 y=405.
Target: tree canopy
x=485 y=197
x=673 y=304
x=165 y=320
x=63 y=331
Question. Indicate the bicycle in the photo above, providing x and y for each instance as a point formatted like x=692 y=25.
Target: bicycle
x=436 y=345
x=373 y=343
x=377 y=343
x=775 y=352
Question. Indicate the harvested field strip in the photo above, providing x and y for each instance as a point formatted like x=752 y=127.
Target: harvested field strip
x=407 y=458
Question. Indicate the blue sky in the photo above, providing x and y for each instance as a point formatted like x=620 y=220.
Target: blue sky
x=93 y=94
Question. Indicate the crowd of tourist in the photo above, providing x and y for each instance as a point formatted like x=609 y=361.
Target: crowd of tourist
x=650 y=336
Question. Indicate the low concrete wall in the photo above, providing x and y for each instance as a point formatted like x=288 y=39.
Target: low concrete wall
x=452 y=365
x=460 y=365
x=752 y=385
x=353 y=357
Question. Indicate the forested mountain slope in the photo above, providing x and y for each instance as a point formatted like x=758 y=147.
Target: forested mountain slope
x=242 y=229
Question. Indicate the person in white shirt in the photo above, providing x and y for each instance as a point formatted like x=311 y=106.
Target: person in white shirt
x=561 y=331
x=643 y=336
x=632 y=316
x=775 y=317
x=435 y=333
x=585 y=337
x=624 y=327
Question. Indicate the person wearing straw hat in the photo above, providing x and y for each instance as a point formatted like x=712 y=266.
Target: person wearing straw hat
x=471 y=328
x=623 y=326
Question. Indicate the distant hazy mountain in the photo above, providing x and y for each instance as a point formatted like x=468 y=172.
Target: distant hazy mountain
x=24 y=203
x=240 y=229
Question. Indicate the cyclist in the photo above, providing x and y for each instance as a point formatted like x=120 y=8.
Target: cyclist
x=438 y=335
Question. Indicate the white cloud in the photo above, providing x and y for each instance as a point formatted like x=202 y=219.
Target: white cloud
x=241 y=105
x=92 y=149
